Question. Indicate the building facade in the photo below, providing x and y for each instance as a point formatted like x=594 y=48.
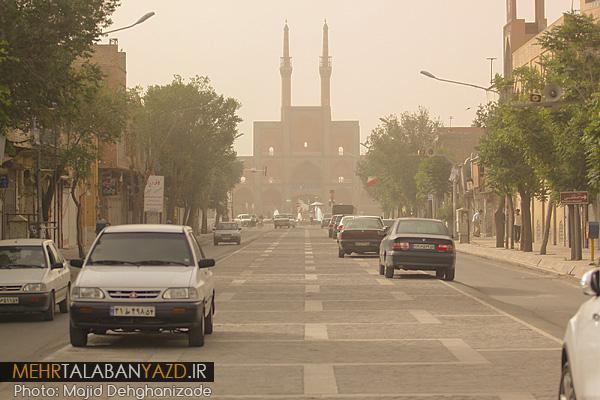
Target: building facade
x=305 y=157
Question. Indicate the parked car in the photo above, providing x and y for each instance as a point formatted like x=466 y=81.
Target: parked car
x=253 y=220
x=244 y=219
x=229 y=232
x=360 y=235
x=293 y=221
x=333 y=224
x=283 y=220
x=340 y=225
x=34 y=278
x=143 y=278
x=418 y=244
x=580 y=355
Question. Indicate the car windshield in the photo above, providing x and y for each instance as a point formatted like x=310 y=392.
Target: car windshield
x=364 y=223
x=227 y=226
x=141 y=248
x=422 y=226
x=22 y=257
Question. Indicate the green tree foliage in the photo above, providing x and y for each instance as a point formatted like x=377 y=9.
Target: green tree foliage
x=395 y=149
x=187 y=132
x=433 y=177
x=42 y=40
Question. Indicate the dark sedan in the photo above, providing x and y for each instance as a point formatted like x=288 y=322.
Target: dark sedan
x=418 y=244
x=360 y=235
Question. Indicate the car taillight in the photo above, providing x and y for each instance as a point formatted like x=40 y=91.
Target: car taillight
x=401 y=246
x=445 y=247
x=341 y=227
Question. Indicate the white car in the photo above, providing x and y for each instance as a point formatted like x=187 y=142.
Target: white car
x=229 y=232
x=143 y=278
x=580 y=378
x=34 y=277
x=244 y=219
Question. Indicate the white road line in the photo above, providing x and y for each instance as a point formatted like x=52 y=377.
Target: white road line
x=313 y=305
x=312 y=289
x=310 y=277
x=424 y=317
x=463 y=352
x=315 y=332
x=309 y=262
x=310 y=269
x=238 y=282
x=225 y=296
x=319 y=379
x=528 y=325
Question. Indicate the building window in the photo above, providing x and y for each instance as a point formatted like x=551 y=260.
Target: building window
x=340 y=179
x=341 y=151
x=306 y=145
x=271 y=151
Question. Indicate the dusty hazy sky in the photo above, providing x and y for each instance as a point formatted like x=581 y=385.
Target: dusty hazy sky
x=378 y=49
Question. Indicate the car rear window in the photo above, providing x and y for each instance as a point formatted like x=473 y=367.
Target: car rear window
x=148 y=248
x=364 y=223
x=420 y=226
x=227 y=226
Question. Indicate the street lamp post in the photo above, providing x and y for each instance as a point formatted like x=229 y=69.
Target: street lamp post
x=143 y=18
x=432 y=76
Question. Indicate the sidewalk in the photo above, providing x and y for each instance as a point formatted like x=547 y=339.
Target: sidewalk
x=556 y=260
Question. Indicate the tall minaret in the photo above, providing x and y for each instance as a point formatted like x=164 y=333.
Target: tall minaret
x=286 y=71
x=325 y=70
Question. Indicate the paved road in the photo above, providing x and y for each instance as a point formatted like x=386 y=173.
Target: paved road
x=294 y=321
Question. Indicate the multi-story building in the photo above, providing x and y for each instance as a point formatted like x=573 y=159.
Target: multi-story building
x=304 y=157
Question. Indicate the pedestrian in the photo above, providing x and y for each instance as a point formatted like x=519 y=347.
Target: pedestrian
x=518 y=224
x=477 y=223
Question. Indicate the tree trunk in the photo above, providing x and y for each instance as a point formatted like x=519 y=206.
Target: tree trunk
x=204 y=228
x=499 y=220
x=511 y=223
x=79 y=218
x=547 y=227
x=577 y=236
x=526 y=238
x=193 y=218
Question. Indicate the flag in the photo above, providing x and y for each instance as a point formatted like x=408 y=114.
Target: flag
x=371 y=181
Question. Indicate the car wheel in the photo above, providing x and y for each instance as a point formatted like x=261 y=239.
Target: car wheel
x=449 y=275
x=567 y=391
x=389 y=271
x=78 y=336
x=440 y=273
x=341 y=253
x=63 y=306
x=208 y=320
x=196 y=334
x=48 y=315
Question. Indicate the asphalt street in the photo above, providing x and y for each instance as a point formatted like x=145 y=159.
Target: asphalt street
x=294 y=321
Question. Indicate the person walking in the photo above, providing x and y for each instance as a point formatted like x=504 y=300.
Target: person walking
x=518 y=224
x=477 y=223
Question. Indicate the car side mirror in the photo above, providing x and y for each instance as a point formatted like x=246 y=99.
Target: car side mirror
x=590 y=282
x=206 y=263
x=57 y=265
x=77 y=263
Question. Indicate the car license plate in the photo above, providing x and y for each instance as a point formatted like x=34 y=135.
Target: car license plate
x=9 y=300
x=362 y=243
x=132 y=311
x=423 y=246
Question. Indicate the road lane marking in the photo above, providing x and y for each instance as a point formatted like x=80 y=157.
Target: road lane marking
x=463 y=352
x=319 y=379
x=225 y=296
x=315 y=332
x=310 y=277
x=424 y=317
x=310 y=269
x=312 y=289
x=238 y=282
x=528 y=325
x=313 y=305
x=384 y=282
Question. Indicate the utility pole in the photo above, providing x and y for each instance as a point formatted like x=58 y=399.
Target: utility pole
x=38 y=139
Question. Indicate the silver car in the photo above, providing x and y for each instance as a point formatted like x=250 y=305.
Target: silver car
x=229 y=232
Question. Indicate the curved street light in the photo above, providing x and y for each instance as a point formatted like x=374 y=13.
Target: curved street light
x=143 y=18
x=432 y=76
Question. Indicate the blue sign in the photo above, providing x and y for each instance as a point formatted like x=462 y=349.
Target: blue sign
x=3 y=181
